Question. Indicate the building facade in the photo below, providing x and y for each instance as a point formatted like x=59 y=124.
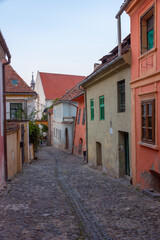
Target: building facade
x=19 y=97
x=52 y=86
x=64 y=115
x=145 y=92
x=108 y=127
x=4 y=60
x=80 y=126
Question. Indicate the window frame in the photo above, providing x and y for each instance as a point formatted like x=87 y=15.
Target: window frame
x=11 y=109
x=146 y=126
x=92 y=109
x=101 y=106
x=121 y=107
x=79 y=116
x=84 y=116
x=145 y=18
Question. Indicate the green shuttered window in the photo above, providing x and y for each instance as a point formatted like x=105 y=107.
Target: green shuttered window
x=101 y=107
x=92 y=109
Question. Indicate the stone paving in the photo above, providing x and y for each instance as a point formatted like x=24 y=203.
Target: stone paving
x=59 y=197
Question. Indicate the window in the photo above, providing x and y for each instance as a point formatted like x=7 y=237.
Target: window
x=92 y=109
x=15 y=110
x=121 y=96
x=101 y=107
x=79 y=115
x=14 y=82
x=84 y=114
x=147 y=31
x=148 y=121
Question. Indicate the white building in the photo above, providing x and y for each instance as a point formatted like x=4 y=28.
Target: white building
x=50 y=86
x=64 y=115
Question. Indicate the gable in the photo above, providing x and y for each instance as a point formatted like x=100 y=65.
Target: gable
x=56 y=85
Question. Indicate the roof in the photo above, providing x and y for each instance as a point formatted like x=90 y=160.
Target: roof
x=20 y=85
x=110 y=58
x=56 y=85
x=72 y=93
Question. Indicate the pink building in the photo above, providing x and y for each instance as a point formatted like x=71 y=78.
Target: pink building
x=3 y=62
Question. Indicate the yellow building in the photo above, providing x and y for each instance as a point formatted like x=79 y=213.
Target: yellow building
x=108 y=101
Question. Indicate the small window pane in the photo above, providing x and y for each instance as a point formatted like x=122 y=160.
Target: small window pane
x=144 y=109
x=143 y=121
x=149 y=121
x=150 y=39
x=150 y=133
x=150 y=109
x=144 y=133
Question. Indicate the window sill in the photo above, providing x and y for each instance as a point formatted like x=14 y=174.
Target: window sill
x=154 y=147
x=147 y=53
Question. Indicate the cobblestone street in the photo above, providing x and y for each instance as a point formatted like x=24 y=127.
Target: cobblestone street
x=58 y=197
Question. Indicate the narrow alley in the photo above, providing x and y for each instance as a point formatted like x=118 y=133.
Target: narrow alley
x=58 y=197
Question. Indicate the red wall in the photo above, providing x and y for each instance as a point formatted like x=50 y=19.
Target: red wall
x=80 y=132
x=144 y=84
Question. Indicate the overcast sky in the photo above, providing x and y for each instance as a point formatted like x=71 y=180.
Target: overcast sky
x=59 y=36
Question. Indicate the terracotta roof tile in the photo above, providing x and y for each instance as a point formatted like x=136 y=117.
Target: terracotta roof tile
x=72 y=93
x=21 y=87
x=56 y=85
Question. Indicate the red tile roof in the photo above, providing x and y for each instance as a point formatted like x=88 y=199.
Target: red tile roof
x=55 y=85
x=72 y=93
x=21 y=87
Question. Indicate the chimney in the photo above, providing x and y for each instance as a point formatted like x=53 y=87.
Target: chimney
x=96 y=65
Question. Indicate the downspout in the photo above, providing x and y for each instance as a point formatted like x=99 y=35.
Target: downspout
x=4 y=111
x=74 y=126
x=118 y=16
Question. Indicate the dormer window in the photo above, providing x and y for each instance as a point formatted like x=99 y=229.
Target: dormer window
x=14 y=82
x=147 y=31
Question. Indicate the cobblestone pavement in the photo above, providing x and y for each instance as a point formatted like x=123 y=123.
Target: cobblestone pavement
x=58 y=197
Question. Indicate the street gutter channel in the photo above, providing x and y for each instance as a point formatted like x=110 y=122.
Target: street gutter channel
x=88 y=224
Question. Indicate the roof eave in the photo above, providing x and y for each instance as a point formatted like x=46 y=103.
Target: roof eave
x=94 y=74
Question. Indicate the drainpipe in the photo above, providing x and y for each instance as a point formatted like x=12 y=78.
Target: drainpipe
x=4 y=111
x=118 y=16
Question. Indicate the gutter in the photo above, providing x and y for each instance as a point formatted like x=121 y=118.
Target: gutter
x=118 y=16
x=6 y=50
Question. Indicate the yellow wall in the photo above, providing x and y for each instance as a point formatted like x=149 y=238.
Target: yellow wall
x=100 y=130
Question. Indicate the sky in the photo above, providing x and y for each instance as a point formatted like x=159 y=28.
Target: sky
x=59 y=36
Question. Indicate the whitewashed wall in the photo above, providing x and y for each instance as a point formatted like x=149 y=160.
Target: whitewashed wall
x=40 y=101
x=60 y=112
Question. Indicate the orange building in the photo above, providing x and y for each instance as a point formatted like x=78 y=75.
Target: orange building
x=145 y=91
x=80 y=126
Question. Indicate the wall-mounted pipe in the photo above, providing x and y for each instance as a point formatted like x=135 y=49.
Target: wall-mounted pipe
x=118 y=16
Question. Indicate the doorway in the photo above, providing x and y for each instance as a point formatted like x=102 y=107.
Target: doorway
x=80 y=146
x=124 y=161
x=67 y=139
x=99 y=153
